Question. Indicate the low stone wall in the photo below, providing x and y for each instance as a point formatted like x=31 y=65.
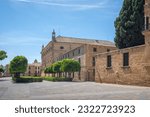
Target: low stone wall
x=137 y=73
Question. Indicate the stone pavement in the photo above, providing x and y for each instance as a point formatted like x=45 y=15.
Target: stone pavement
x=70 y=91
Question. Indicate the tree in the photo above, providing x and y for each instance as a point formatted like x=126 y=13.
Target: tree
x=49 y=70
x=69 y=65
x=3 y=55
x=46 y=70
x=129 y=24
x=57 y=67
x=1 y=70
x=18 y=65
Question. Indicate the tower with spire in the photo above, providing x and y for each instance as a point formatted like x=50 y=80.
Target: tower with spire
x=53 y=36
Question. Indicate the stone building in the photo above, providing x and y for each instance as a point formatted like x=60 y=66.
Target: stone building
x=127 y=66
x=7 y=73
x=34 y=69
x=56 y=47
x=79 y=49
x=85 y=54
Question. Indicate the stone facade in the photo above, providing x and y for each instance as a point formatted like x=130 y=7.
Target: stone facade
x=85 y=54
x=33 y=69
x=7 y=73
x=127 y=66
x=67 y=47
x=136 y=73
x=56 y=47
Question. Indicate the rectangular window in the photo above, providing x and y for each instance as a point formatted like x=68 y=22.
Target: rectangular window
x=93 y=61
x=147 y=23
x=94 y=49
x=79 y=51
x=125 y=59
x=79 y=60
x=109 y=61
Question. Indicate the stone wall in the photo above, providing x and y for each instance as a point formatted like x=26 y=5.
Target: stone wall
x=137 y=73
x=86 y=54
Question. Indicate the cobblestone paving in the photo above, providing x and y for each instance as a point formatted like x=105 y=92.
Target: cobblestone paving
x=70 y=91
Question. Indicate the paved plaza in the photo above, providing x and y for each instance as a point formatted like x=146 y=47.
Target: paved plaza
x=70 y=91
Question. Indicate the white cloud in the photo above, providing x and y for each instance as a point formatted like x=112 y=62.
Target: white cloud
x=69 y=3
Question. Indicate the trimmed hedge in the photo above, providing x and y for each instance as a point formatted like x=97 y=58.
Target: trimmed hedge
x=27 y=80
x=56 y=79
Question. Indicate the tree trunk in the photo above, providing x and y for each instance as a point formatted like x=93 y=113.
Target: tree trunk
x=69 y=74
x=73 y=74
x=65 y=74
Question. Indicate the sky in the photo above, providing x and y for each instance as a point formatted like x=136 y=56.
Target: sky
x=26 y=25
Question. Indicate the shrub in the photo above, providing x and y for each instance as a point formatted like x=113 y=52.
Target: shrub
x=56 y=79
x=27 y=79
x=18 y=65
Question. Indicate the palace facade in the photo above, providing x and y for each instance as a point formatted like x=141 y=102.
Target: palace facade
x=101 y=61
x=34 y=69
x=82 y=50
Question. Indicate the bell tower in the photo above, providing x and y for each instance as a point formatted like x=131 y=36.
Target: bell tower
x=53 y=36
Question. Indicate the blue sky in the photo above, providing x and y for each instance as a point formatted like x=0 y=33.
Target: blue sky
x=25 y=25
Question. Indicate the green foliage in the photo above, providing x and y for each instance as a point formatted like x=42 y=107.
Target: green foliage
x=69 y=65
x=18 y=65
x=46 y=70
x=57 y=67
x=1 y=70
x=66 y=65
x=56 y=79
x=49 y=69
x=129 y=24
x=3 y=55
x=27 y=79
x=30 y=77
